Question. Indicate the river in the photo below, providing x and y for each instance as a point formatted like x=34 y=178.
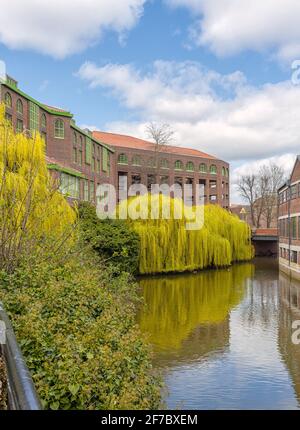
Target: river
x=223 y=339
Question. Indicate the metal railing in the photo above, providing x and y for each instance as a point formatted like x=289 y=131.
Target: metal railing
x=21 y=391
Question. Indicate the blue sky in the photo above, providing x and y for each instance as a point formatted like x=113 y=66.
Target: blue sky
x=218 y=71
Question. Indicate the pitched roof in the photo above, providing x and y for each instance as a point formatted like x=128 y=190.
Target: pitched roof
x=124 y=141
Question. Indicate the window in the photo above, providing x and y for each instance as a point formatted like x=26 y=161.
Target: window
x=43 y=121
x=190 y=166
x=19 y=107
x=59 y=129
x=213 y=169
x=293 y=256
x=33 y=117
x=98 y=166
x=294 y=191
x=203 y=168
x=227 y=172
x=75 y=155
x=151 y=162
x=178 y=165
x=8 y=100
x=164 y=163
x=92 y=191
x=93 y=164
x=223 y=171
x=122 y=159
x=86 y=195
x=105 y=160
x=213 y=198
x=74 y=139
x=69 y=185
x=136 y=160
x=20 y=127
x=44 y=137
x=294 y=227
x=88 y=150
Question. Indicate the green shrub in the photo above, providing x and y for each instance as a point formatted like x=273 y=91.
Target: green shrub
x=113 y=240
x=76 y=328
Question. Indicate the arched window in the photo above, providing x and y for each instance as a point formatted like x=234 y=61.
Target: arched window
x=151 y=162
x=223 y=171
x=8 y=100
x=43 y=121
x=122 y=159
x=203 y=168
x=190 y=166
x=136 y=160
x=178 y=165
x=164 y=163
x=213 y=169
x=227 y=172
x=74 y=139
x=19 y=107
x=59 y=129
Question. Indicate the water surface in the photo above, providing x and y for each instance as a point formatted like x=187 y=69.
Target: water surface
x=223 y=338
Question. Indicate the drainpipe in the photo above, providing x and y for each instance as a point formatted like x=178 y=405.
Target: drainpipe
x=21 y=391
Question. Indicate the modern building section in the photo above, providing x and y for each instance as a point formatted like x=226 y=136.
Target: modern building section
x=289 y=223
x=143 y=162
x=75 y=157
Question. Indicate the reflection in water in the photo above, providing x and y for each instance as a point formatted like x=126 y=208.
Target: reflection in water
x=181 y=311
x=289 y=312
x=224 y=337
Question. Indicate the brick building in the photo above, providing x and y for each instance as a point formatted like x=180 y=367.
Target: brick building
x=143 y=162
x=289 y=223
x=81 y=160
x=74 y=156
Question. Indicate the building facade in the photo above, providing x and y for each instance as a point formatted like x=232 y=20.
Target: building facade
x=81 y=160
x=289 y=223
x=75 y=157
x=141 y=162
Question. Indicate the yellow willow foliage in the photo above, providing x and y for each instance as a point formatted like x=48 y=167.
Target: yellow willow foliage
x=34 y=217
x=166 y=245
x=176 y=305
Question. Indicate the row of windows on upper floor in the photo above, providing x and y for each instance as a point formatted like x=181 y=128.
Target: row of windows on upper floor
x=289 y=194
x=289 y=227
x=178 y=165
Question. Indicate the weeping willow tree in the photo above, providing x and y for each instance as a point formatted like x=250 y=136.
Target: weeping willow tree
x=35 y=219
x=166 y=245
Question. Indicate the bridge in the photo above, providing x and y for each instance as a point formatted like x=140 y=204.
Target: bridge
x=265 y=241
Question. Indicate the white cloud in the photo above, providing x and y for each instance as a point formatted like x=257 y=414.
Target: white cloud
x=220 y=114
x=61 y=28
x=230 y=26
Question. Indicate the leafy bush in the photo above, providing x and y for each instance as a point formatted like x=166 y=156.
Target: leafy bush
x=76 y=327
x=113 y=240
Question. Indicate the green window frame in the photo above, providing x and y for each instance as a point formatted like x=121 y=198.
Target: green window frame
x=92 y=191
x=223 y=171
x=43 y=121
x=213 y=169
x=122 y=159
x=33 y=117
x=88 y=150
x=105 y=160
x=59 y=129
x=86 y=194
x=164 y=163
x=136 y=160
x=69 y=185
x=19 y=107
x=8 y=100
x=190 y=166
x=294 y=227
x=178 y=165
x=203 y=168
x=20 y=126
